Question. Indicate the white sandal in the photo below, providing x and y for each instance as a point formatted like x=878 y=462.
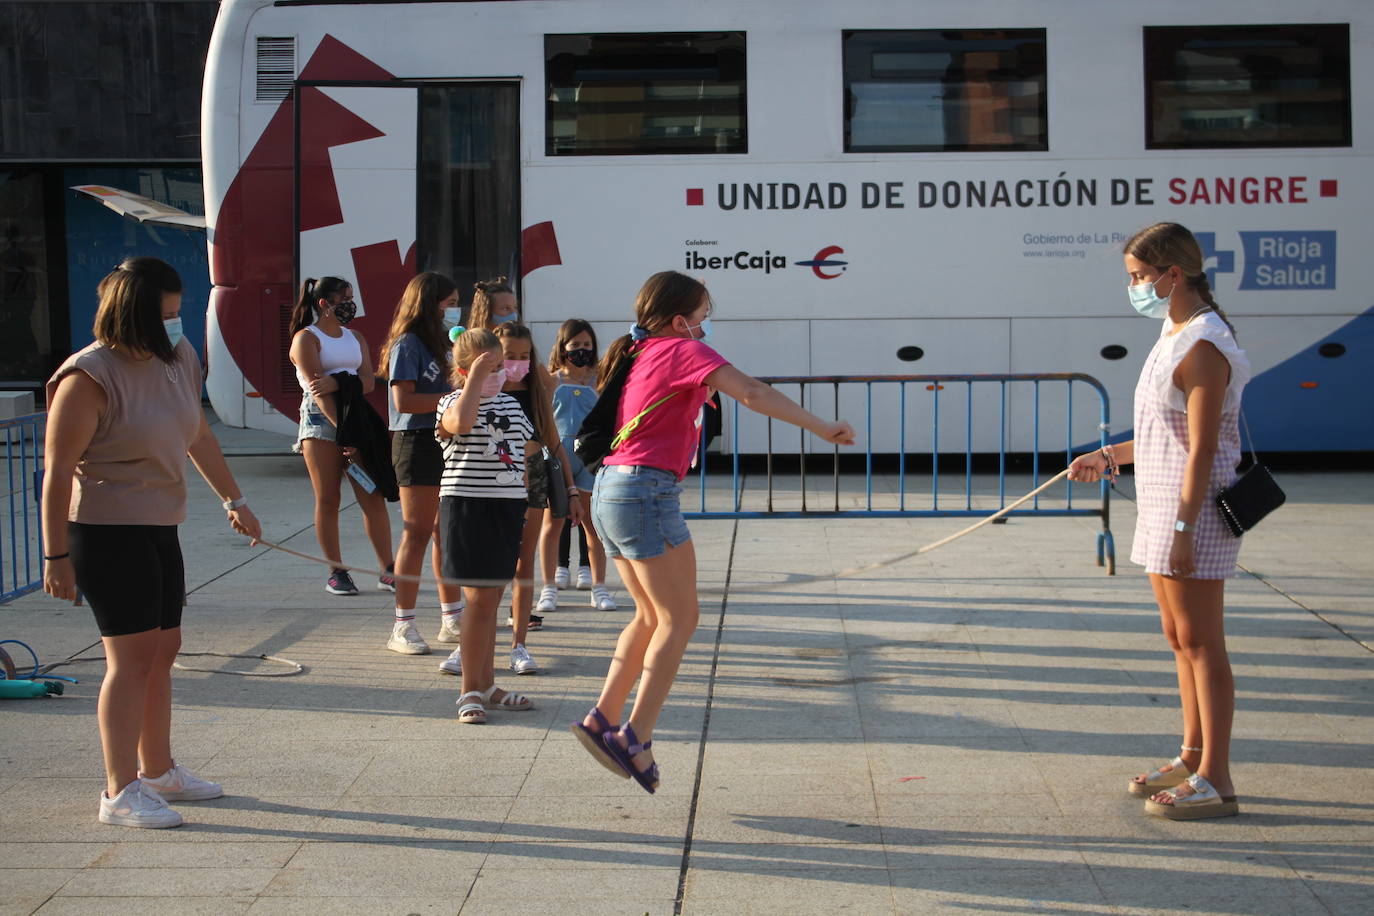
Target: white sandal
x=1160 y=778
x=511 y=702
x=472 y=713
x=1202 y=802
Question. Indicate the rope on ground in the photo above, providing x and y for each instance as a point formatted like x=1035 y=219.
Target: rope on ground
x=296 y=667
x=843 y=574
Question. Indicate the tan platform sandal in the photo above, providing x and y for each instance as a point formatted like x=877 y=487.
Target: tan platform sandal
x=1202 y=802
x=471 y=713
x=1160 y=778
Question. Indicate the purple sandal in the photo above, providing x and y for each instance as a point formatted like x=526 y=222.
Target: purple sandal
x=624 y=756
x=592 y=742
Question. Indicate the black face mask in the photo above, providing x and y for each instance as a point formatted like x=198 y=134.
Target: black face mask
x=345 y=311
x=581 y=357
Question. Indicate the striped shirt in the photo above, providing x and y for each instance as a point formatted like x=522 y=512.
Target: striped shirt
x=489 y=459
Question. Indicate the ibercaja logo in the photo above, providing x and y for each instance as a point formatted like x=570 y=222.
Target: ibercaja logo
x=824 y=263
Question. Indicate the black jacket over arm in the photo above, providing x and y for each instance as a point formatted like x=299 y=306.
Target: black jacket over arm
x=360 y=427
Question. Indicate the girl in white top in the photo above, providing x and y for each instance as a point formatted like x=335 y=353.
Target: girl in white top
x=321 y=345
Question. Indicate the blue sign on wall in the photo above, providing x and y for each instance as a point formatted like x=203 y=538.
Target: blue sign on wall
x=1289 y=260
x=98 y=239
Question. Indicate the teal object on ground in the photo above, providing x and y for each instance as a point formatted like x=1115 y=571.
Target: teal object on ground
x=23 y=690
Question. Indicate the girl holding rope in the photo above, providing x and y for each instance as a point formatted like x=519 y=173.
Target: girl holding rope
x=1186 y=448
x=636 y=510
x=123 y=415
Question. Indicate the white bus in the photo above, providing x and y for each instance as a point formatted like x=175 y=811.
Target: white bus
x=877 y=187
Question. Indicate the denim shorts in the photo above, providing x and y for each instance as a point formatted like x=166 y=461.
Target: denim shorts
x=582 y=478
x=636 y=511
x=313 y=423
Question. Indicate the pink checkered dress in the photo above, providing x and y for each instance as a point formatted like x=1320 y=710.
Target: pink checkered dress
x=1161 y=452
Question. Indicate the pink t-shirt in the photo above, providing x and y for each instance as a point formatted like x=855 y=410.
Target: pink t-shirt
x=667 y=438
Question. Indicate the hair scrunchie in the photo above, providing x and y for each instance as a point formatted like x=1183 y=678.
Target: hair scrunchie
x=455 y=332
x=638 y=333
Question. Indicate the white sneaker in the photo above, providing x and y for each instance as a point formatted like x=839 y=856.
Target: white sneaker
x=448 y=628
x=136 y=806
x=561 y=577
x=584 y=577
x=601 y=598
x=180 y=784
x=520 y=661
x=548 y=599
x=406 y=640
x=452 y=665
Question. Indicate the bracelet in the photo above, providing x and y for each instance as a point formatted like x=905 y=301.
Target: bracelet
x=574 y=491
x=231 y=504
x=59 y=556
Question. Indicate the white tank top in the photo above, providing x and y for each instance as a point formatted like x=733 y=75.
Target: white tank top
x=337 y=354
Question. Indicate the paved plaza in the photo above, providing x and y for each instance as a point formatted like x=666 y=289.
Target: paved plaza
x=949 y=734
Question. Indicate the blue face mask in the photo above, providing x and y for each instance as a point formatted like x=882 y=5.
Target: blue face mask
x=502 y=319
x=452 y=317
x=173 y=328
x=705 y=329
x=1146 y=301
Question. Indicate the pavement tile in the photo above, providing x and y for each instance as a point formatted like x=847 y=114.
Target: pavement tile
x=141 y=906
x=168 y=882
x=399 y=904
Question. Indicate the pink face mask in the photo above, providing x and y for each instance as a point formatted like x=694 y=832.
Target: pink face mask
x=491 y=385
x=517 y=369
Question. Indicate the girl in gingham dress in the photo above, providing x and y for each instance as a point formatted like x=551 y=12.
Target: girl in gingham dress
x=1186 y=448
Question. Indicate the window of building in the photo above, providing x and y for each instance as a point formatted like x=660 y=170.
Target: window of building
x=638 y=94
x=937 y=90
x=1212 y=87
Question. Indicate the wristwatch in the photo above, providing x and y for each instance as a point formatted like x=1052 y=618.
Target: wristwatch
x=231 y=504
x=1181 y=525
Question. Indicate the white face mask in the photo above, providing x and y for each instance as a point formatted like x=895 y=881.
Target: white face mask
x=1147 y=301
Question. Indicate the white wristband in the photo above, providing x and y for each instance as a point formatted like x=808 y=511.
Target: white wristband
x=232 y=504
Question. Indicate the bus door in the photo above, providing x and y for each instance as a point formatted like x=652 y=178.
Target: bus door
x=402 y=177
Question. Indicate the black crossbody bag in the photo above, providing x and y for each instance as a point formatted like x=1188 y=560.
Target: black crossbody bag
x=1253 y=496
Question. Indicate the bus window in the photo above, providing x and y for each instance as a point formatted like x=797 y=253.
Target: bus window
x=469 y=181
x=637 y=94
x=937 y=90
x=1214 y=87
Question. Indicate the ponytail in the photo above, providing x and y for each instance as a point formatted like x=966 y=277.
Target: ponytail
x=618 y=350
x=1204 y=289
x=312 y=291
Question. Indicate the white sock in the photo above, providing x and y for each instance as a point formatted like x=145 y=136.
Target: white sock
x=405 y=614
x=451 y=608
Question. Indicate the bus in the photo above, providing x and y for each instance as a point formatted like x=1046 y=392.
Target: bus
x=871 y=188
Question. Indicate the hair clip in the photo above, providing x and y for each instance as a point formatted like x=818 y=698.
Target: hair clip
x=455 y=332
x=637 y=332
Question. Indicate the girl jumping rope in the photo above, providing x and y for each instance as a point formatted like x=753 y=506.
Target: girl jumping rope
x=636 y=511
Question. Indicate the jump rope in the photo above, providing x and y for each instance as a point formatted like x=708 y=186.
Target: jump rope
x=295 y=668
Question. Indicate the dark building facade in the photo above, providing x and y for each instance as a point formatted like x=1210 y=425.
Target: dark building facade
x=93 y=93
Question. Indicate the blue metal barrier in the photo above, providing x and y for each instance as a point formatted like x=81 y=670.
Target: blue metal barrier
x=21 y=536
x=902 y=503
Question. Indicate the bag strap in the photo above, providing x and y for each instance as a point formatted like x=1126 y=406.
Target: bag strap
x=1246 y=426
x=628 y=429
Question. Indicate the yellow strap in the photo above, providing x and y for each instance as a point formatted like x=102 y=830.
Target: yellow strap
x=628 y=429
